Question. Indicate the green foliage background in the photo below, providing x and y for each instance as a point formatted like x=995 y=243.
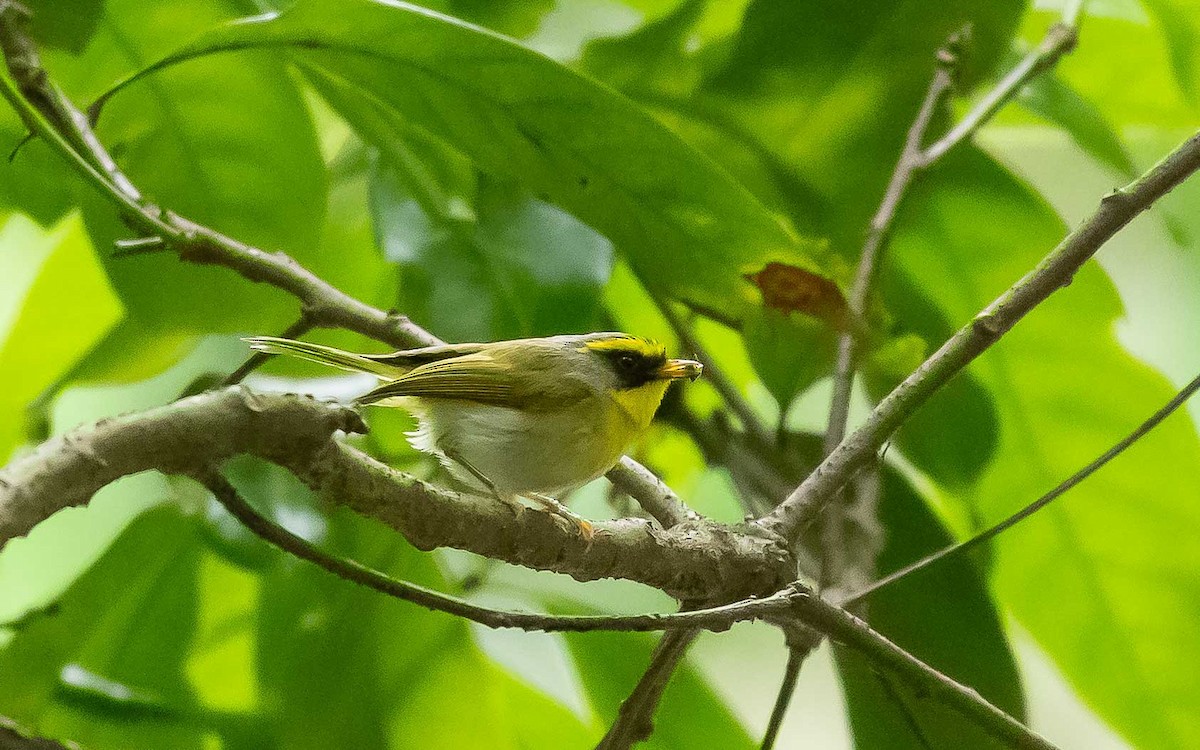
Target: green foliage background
x=537 y=173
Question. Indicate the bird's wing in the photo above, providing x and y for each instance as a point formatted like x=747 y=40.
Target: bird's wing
x=474 y=377
x=411 y=358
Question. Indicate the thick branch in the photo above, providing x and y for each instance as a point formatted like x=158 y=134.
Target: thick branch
x=694 y=560
x=1055 y=271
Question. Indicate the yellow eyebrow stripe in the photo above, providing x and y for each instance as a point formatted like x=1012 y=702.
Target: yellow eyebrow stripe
x=630 y=344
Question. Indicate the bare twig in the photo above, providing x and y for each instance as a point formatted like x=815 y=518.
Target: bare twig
x=1063 y=487
x=798 y=650
x=635 y=719
x=909 y=163
x=258 y=359
x=1056 y=270
x=843 y=627
x=914 y=158
x=1058 y=41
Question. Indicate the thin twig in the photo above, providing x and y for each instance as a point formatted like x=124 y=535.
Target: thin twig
x=1062 y=488
x=714 y=375
x=843 y=627
x=258 y=359
x=635 y=719
x=1055 y=271
x=798 y=652
x=907 y=166
x=1060 y=39
x=711 y=618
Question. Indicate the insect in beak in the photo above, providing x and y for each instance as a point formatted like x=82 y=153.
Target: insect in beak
x=675 y=369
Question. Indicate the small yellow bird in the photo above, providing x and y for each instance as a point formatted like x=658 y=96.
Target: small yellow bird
x=533 y=418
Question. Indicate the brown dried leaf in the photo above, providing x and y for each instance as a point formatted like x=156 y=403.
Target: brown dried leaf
x=790 y=289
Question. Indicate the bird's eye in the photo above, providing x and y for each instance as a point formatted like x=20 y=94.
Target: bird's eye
x=626 y=362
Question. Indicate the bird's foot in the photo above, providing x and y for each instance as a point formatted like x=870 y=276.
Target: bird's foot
x=581 y=524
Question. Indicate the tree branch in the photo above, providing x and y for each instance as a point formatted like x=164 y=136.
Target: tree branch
x=49 y=113
x=696 y=560
x=713 y=618
x=13 y=737
x=843 y=627
x=1061 y=489
x=914 y=159
x=1055 y=271
x=635 y=719
x=1060 y=39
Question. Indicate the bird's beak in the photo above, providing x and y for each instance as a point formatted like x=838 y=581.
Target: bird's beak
x=675 y=369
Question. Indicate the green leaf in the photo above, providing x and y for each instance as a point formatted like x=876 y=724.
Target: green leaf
x=1051 y=97
x=60 y=305
x=944 y=616
x=524 y=268
x=1093 y=70
x=690 y=715
x=831 y=93
x=228 y=146
x=33 y=179
x=1177 y=22
x=67 y=26
x=653 y=57
x=683 y=223
x=105 y=667
x=789 y=351
x=1065 y=390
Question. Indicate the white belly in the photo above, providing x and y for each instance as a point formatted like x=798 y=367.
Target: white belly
x=547 y=453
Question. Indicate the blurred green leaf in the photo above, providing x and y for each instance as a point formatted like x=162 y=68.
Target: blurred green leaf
x=953 y=436
x=66 y=306
x=831 y=93
x=790 y=351
x=652 y=57
x=67 y=26
x=524 y=268
x=33 y=179
x=105 y=668
x=1065 y=390
x=683 y=223
x=1051 y=97
x=1111 y=46
x=232 y=147
x=944 y=616
x=1177 y=21
x=690 y=715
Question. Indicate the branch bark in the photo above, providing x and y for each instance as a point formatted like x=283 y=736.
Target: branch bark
x=696 y=560
x=1178 y=400
x=1055 y=271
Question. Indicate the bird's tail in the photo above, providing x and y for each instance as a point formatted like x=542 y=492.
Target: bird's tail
x=326 y=355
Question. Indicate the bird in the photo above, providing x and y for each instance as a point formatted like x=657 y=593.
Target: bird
x=530 y=418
